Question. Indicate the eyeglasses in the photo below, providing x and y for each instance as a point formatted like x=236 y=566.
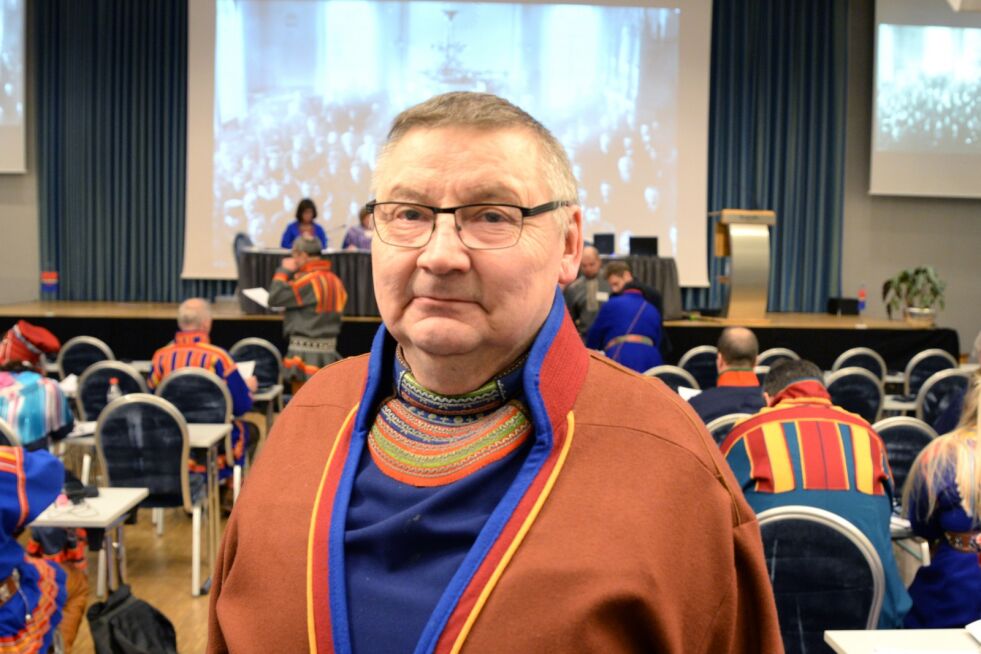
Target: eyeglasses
x=479 y=226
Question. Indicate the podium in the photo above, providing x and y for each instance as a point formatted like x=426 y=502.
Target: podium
x=744 y=236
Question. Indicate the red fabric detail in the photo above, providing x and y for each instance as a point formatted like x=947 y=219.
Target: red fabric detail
x=315 y=265
x=191 y=336
x=563 y=372
x=879 y=465
x=808 y=388
x=28 y=344
x=738 y=378
x=822 y=459
x=760 y=461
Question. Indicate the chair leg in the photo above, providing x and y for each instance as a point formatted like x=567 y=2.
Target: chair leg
x=86 y=468
x=236 y=482
x=196 y=551
x=158 y=520
x=100 y=583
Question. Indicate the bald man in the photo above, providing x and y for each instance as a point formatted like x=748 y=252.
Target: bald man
x=738 y=388
x=588 y=292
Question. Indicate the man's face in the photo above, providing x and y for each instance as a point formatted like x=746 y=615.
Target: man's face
x=591 y=265
x=617 y=282
x=444 y=299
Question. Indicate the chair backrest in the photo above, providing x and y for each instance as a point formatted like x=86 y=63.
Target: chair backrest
x=938 y=392
x=862 y=357
x=721 y=426
x=924 y=365
x=242 y=241
x=857 y=390
x=775 y=355
x=79 y=353
x=825 y=575
x=903 y=437
x=268 y=360
x=8 y=436
x=761 y=373
x=199 y=394
x=673 y=376
x=142 y=441
x=93 y=386
x=700 y=362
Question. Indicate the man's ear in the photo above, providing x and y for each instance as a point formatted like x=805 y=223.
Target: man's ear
x=571 y=247
x=719 y=363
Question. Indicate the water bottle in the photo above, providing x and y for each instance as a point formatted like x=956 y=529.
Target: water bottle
x=114 y=391
x=861 y=299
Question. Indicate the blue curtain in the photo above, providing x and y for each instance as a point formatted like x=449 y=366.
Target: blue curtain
x=111 y=120
x=777 y=139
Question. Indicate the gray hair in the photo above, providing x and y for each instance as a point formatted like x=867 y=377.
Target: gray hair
x=485 y=111
x=193 y=314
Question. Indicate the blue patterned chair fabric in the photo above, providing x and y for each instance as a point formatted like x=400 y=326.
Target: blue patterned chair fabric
x=904 y=439
x=858 y=394
x=702 y=367
x=93 y=389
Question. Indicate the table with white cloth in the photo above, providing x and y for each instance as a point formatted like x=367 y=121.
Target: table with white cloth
x=902 y=641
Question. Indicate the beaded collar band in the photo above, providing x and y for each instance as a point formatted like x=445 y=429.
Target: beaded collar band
x=423 y=438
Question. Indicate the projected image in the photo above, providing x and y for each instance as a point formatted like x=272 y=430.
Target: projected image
x=11 y=62
x=305 y=92
x=928 y=89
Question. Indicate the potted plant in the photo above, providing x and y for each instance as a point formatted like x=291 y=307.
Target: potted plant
x=917 y=292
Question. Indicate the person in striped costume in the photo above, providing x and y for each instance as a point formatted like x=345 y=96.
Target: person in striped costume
x=802 y=450
x=192 y=348
x=314 y=299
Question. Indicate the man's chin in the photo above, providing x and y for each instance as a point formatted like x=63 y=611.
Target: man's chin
x=440 y=336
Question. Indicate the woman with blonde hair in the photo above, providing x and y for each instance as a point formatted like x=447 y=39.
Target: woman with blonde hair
x=943 y=502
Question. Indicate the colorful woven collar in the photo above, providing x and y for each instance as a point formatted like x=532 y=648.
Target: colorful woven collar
x=423 y=438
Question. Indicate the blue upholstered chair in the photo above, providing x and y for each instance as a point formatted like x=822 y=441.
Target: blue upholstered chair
x=721 y=426
x=700 y=362
x=937 y=392
x=862 y=357
x=903 y=437
x=673 y=376
x=142 y=441
x=268 y=360
x=825 y=575
x=93 y=386
x=761 y=373
x=79 y=353
x=857 y=390
x=775 y=355
x=923 y=366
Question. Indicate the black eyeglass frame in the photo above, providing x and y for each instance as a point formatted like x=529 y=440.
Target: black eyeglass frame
x=526 y=212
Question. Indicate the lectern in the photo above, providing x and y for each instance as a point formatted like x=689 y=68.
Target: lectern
x=744 y=236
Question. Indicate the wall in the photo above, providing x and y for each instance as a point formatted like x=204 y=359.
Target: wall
x=20 y=258
x=883 y=235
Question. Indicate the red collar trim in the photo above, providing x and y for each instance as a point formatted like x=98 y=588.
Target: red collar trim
x=191 y=336
x=807 y=391
x=635 y=291
x=313 y=266
x=734 y=377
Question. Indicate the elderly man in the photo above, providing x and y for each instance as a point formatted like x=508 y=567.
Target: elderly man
x=738 y=388
x=192 y=347
x=586 y=295
x=804 y=450
x=314 y=299
x=480 y=481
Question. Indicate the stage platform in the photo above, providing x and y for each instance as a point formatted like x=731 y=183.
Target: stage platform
x=134 y=330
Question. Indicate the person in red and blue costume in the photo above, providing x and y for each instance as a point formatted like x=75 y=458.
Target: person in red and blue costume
x=942 y=499
x=192 y=347
x=32 y=590
x=628 y=327
x=306 y=213
x=738 y=388
x=802 y=450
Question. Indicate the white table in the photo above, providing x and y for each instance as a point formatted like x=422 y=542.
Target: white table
x=902 y=641
x=107 y=511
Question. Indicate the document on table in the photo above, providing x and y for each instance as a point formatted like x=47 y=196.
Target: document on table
x=245 y=368
x=260 y=296
x=687 y=393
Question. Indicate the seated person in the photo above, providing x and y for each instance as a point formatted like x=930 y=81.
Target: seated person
x=942 y=499
x=628 y=327
x=802 y=450
x=306 y=213
x=192 y=347
x=32 y=590
x=314 y=299
x=738 y=389
x=358 y=237
x=585 y=295
x=33 y=405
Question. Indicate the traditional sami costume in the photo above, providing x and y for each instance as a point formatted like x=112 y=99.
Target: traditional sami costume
x=805 y=451
x=538 y=513
x=193 y=349
x=946 y=593
x=737 y=391
x=314 y=299
x=34 y=406
x=32 y=591
x=628 y=330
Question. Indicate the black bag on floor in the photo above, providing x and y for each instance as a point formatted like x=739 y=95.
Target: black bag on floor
x=124 y=624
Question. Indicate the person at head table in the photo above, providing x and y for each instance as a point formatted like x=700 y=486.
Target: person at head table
x=480 y=481
x=358 y=237
x=306 y=213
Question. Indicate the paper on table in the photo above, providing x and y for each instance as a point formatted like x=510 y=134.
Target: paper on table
x=245 y=368
x=975 y=630
x=69 y=385
x=687 y=393
x=901 y=650
x=260 y=296
x=82 y=428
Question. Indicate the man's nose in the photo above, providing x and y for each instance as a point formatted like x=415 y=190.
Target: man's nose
x=445 y=252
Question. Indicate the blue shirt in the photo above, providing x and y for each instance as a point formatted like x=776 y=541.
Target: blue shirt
x=293 y=232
